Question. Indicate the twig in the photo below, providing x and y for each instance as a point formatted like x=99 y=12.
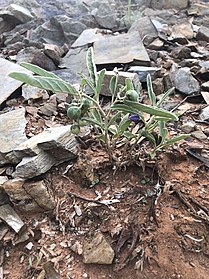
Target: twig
x=184 y=201
x=199 y=205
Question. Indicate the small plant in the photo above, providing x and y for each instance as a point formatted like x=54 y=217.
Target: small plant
x=119 y=125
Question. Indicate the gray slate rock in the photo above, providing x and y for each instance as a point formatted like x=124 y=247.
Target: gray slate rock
x=121 y=49
x=170 y=4
x=203 y=34
x=143 y=71
x=98 y=251
x=45 y=150
x=36 y=57
x=105 y=16
x=11 y=218
x=34 y=166
x=12 y=130
x=205 y=114
x=185 y=82
x=146 y=29
x=21 y=13
x=9 y=85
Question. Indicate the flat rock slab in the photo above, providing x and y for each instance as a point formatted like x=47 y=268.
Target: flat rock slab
x=53 y=139
x=9 y=216
x=30 y=167
x=121 y=49
x=7 y=84
x=88 y=36
x=12 y=130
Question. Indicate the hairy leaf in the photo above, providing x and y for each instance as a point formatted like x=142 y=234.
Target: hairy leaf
x=151 y=110
x=37 y=70
x=124 y=124
x=113 y=85
x=175 y=139
x=165 y=96
x=48 y=83
x=91 y=65
x=93 y=121
x=129 y=84
x=100 y=81
x=151 y=93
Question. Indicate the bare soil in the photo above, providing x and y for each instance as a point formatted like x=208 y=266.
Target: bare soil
x=156 y=232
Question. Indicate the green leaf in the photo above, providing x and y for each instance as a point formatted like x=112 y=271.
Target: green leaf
x=164 y=119
x=90 y=83
x=124 y=108
x=129 y=135
x=135 y=106
x=165 y=96
x=151 y=93
x=48 y=83
x=161 y=125
x=175 y=139
x=113 y=85
x=100 y=81
x=149 y=136
x=93 y=121
x=114 y=118
x=96 y=115
x=91 y=65
x=37 y=70
x=129 y=84
x=124 y=124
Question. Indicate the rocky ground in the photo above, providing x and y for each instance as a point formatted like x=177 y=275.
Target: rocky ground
x=64 y=211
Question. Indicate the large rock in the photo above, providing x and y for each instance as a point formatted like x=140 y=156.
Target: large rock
x=170 y=4
x=121 y=49
x=45 y=150
x=28 y=195
x=98 y=251
x=12 y=130
x=9 y=85
x=21 y=13
x=185 y=82
x=30 y=167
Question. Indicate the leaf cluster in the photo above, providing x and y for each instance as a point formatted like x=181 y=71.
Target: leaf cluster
x=122 y=120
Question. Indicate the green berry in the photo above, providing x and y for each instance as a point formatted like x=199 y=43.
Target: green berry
x=132 y=95
x=74 y=112
x=75 y=129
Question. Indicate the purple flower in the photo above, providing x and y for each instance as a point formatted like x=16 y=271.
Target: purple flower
x=135 y=118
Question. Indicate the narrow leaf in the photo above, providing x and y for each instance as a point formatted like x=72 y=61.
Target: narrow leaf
x=175 y=139
x=165 y=96
x=38 y=70
x=151 y=93
x=93 y=121
x=48 y=83
x=124 y=108
x=129 y=84
x=124 y=124
x=100 y=81
x=114 y=118
x=113 y=84
x=151 y=110
x=91 y=66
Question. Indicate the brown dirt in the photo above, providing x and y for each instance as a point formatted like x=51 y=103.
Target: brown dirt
x=171 y=236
